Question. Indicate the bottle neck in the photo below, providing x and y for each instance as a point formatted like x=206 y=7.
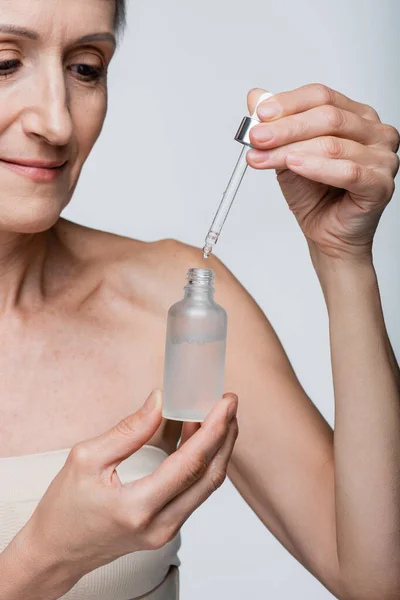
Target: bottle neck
x=200 y=284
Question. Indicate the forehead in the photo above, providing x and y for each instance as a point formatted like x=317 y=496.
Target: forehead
x=59 y=20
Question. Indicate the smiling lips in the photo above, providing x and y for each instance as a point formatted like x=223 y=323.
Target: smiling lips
x=38 y=170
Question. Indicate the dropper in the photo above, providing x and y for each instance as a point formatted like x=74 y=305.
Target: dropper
x=229 y=195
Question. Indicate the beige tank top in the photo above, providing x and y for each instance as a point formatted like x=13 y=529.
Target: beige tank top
x=148 y=575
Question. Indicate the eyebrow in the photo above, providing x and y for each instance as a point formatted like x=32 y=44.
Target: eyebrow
x=98 y=37
x=33 y=35
x=22 y=31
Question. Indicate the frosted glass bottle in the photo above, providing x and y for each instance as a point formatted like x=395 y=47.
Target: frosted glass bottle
x=195 y=351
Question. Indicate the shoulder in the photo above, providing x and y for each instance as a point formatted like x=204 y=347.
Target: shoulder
x=150 y=273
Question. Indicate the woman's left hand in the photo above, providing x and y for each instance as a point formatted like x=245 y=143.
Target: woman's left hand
x=335 y=161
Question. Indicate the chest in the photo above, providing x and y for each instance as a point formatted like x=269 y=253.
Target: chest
x=71 y=382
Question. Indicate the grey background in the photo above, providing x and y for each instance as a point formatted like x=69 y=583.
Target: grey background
x=177 y=94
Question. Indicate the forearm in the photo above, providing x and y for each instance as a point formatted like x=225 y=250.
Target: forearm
x=27 y=572
x=367 y=427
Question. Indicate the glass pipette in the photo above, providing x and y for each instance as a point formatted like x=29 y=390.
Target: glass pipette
x=229 y=195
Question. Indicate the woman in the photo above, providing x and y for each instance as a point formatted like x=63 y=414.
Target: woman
x=83 y=314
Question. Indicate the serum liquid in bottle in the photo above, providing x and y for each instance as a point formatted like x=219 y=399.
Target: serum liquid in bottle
x=195 y=351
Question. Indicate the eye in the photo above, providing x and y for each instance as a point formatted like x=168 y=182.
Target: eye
x=8 y=67
x=87 y=72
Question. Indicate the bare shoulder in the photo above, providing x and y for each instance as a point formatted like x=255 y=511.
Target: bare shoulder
x=167 y=263
x=152 y=274
x=251 y=338
x=163 y=266
x=149 y=274
x=135 y=282
x=92 y=245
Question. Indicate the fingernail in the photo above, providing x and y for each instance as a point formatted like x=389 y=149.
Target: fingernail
x=261 y=133
x=268 y=110
x=295 y=159
x=232 y=410
x=258 y=156
x=152 y=401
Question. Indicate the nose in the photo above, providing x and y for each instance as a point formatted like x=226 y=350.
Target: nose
x=47 y=115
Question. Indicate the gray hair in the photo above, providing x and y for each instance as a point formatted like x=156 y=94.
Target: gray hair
x=120 y=16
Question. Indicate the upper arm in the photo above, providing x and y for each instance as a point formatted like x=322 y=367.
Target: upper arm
x=282 y=463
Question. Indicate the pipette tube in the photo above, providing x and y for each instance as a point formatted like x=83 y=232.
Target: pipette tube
x=226 y=203
x=242 y=136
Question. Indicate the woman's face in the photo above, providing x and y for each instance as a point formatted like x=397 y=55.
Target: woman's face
x=53 y=100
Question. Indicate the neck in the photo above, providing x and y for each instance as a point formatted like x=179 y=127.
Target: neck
x=22 y=261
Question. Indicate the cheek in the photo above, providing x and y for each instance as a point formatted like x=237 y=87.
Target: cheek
x=88 y=116
x=11 y=100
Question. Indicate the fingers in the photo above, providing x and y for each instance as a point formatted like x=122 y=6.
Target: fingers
x=292 y=115
x=305 y=98
x=188 y=464
x=188 y=430
x=362 y=182
x=125 y=438
x=172 y=517
x=328 y=147
x=320 y=121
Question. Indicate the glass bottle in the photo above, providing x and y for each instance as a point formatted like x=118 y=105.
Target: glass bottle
x=195 y=351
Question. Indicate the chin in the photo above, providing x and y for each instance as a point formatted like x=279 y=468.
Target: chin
x=30 y=216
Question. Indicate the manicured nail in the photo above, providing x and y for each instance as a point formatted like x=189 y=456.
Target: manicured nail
x=262 y=133
x=152 y=402
x=268 y=110
x=258 y=156
x=295 y=159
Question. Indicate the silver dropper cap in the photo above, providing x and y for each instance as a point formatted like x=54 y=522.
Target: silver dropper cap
x=247 y=124
x=243 y=133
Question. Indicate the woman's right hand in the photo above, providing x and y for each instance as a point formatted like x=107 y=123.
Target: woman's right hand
x=87 y=518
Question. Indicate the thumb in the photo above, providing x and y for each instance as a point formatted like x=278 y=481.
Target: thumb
x=130 y=434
